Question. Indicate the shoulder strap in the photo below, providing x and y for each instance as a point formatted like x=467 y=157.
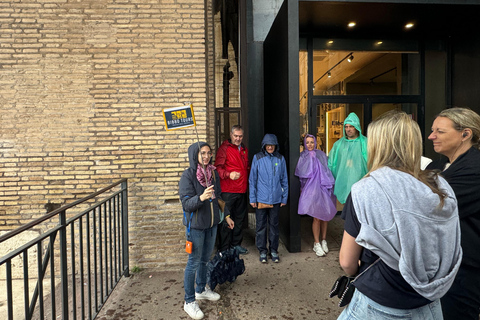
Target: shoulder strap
x=365 y=270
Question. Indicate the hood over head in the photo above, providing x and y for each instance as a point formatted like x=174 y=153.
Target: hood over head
x=352 y=120
x=270 y=138
x=314 y=141
x=193 y=151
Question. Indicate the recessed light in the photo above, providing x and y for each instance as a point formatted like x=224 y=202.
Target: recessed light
x=351 y=24
x=409 y=25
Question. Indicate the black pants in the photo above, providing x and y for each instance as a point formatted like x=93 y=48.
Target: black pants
x=237 y=204
x=270 y=217
x=462 y=301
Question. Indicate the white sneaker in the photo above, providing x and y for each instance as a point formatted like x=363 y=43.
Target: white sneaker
x=317 y=247
x=193 y=310
x=207 y=294
x=324 y=246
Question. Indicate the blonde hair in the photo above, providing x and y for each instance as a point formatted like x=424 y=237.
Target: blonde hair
x=395 y=141
x=464 y=118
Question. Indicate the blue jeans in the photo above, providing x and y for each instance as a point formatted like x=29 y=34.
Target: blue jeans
x=262 y=215
x=203 y=243
x=361 y=308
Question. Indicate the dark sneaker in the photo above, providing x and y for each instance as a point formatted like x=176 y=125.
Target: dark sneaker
x=275 y=257
x=241 y=250
x=263 y=257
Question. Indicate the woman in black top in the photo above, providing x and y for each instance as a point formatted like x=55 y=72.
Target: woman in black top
x=455 y=134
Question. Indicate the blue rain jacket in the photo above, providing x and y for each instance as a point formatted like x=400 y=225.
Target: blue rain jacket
x=268 y=180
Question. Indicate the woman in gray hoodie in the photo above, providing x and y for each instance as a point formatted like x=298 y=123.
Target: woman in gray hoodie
x=402 y=231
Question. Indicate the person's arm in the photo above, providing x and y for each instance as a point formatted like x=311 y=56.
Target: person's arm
x=252 y=183
x=284 y=183
x=191 y=201
x=331 y=161
x=349 y=254
x=220 y=159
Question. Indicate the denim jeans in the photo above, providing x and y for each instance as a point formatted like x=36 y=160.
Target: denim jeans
x=196 y=270
x=262 y=215
x=361 y=308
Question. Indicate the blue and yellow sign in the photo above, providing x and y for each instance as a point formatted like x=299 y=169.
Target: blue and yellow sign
x=179 y=117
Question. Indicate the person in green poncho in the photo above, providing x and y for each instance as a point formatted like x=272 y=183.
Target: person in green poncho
x=348 y=158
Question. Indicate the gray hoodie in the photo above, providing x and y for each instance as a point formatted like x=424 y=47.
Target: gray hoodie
x=402 y=223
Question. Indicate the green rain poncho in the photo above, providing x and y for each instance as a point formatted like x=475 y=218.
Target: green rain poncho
x=348 y=159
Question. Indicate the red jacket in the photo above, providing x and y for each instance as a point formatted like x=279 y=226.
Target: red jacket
x=229 y=159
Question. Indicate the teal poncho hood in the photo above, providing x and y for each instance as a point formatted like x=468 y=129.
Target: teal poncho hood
x=352 y=120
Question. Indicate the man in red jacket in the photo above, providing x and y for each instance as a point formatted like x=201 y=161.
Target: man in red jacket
x=232 y=165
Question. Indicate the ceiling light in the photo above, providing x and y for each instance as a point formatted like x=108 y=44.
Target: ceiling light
x=379 y=42
x=350 y=58
x=329 y=74
x=352 y=24
x=409 y=25
x=330 y=42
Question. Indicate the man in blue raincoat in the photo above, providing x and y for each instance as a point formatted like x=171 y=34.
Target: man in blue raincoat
x=348 y=158
x=268 y=184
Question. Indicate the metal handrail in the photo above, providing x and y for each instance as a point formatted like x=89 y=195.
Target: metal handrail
x=57 y=211
x=106 y=222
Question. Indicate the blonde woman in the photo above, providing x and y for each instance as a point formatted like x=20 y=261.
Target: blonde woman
x=401 y=228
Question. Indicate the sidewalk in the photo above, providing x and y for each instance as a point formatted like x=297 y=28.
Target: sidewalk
x=295 y=288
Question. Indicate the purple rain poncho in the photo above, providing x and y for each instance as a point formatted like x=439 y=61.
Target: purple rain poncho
x=316 y=183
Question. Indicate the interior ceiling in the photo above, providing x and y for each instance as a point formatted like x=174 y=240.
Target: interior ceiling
x=329 y=19
x=373 y=20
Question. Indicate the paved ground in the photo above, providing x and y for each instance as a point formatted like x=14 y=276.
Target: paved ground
x=295 y=288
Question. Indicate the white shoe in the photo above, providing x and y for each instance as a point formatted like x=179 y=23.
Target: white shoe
x=317 y=247
x=324 y=246
x=207 y=294
x=193 y=310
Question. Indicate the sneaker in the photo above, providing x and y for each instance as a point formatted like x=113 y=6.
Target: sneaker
x=193 y=310
x=207 y=294
x=275 y=257
x=263 y=257
x=317 y=247
x=324 y=246
x=241 y=250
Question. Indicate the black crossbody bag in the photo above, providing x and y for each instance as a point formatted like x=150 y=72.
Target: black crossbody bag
x=344 y=288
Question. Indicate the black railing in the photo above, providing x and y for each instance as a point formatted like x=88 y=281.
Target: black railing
x=78 y=263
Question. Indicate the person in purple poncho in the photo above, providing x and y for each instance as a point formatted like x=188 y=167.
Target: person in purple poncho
x=316 y=191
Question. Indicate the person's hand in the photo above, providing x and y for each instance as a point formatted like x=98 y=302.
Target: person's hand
x=253 y=204
x=230 y=222
x=234 y=175
x=283 y=204
x=207 y=193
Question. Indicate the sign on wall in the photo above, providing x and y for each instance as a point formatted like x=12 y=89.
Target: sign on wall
x=179 y=117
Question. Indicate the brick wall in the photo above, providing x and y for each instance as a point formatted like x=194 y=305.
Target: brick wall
x=82 y=87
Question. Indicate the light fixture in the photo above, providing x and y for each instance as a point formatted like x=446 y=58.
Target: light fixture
x=351 y=24
x=349 y=59
x=330 y=42
x=409 y=25
x=379 y=43
x=329 y=74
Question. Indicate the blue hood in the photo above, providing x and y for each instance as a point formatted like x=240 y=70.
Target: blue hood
x=270 y=138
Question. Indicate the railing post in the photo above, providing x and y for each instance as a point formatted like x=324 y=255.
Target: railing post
x=125 y=228
x=63 y=263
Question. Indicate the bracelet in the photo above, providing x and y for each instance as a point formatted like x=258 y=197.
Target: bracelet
x=227 y=217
